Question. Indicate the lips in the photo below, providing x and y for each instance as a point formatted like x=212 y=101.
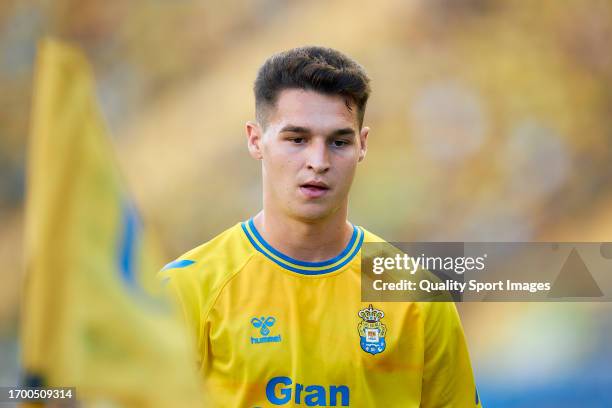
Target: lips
x=314 y=189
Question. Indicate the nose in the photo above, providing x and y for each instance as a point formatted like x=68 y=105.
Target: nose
x=318 y=157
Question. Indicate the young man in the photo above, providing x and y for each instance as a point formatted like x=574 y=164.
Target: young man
x=274 y=302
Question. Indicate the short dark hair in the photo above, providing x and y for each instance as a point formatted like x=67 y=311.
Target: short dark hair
x=319 y=69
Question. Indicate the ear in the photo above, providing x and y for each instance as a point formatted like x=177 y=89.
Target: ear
x=363 y=141
x=254 y=134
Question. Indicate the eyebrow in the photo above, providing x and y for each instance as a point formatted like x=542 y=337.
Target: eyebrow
x=301 y=129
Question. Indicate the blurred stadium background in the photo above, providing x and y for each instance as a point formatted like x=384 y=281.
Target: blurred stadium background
x=491 y=121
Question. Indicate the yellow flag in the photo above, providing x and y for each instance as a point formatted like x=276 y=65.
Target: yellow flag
x=91 y=316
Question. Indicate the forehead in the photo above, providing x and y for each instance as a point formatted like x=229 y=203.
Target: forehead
x=311 y=109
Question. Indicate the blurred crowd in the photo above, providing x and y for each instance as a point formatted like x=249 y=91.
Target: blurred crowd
x=490 y=122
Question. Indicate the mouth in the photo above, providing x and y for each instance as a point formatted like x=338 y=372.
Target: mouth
x=314 y=189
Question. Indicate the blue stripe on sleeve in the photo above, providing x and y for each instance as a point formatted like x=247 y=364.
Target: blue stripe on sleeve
x=178 y=264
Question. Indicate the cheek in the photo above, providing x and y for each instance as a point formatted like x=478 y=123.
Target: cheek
x=283 y=166
x=281 y=170
x=278 y=157
x=347 y=169
x=346 y=172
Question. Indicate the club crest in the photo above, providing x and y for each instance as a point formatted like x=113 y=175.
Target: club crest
x=371 y=330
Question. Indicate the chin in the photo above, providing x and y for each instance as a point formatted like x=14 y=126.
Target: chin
x=312 y=213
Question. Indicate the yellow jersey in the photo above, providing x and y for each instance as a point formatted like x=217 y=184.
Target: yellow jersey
x=275 y=331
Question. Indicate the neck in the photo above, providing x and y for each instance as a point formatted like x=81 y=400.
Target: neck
x=306 y=241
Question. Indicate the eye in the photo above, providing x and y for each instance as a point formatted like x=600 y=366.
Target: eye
x=340 y=143
x=297 y=140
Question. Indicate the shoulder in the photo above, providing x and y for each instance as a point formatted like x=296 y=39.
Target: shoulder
x=375 y=247
x=370 y=237
x=211 y=264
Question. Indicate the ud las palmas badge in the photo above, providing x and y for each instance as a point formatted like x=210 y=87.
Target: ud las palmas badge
x=371 y=330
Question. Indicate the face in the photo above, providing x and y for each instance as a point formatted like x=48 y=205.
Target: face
x=309 y=152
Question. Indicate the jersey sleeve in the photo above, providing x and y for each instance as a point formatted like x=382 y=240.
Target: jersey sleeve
x=447 y=372
x=196 y=278
x=181 y=280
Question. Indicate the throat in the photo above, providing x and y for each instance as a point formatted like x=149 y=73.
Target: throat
x=308 y=242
